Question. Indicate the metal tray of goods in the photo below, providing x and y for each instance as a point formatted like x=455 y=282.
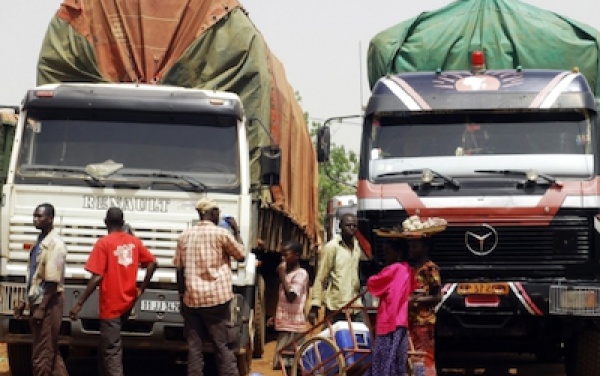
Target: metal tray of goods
x=400 y=233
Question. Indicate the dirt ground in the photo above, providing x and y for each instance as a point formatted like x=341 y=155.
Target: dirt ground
x=261 y=366
x=4 y=371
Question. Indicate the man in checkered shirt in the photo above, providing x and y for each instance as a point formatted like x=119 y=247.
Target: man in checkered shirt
x=203 y=267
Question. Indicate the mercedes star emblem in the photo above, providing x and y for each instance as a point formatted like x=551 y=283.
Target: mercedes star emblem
x=483 y=241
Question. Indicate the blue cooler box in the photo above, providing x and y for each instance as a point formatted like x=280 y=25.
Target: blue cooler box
x=340 y=331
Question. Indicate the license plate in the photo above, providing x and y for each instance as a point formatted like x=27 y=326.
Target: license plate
x=486 y=288
x=159 y=306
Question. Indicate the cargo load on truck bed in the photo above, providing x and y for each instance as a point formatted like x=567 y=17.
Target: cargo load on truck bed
x=197 y=44
x=511 y=33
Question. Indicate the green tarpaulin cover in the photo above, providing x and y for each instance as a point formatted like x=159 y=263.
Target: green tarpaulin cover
x=205 y=44
x=510 y=32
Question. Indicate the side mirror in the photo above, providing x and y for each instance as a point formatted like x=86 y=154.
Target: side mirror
x=270 y=165
x=323 y=144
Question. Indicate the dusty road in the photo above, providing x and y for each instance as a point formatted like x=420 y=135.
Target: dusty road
x=463 y=364
x=137 y=364
x=4 y=371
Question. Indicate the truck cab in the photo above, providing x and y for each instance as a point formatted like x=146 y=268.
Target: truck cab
x=150 y=150
x=509 y=158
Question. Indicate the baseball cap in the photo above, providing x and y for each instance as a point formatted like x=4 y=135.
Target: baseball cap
x=205 y=204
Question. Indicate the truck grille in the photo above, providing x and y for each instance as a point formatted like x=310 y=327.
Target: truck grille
x=11 y=294
x=516 y=246
x=520 y=250
x=160 y=239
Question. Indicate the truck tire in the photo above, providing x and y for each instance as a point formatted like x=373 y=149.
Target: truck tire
x=244 y=361
x=548 y=351
x=19 y=359
x=588 y=348
x=260 y=318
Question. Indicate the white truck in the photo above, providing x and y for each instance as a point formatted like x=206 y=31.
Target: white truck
x=337 y=206
x=152 y=151
x=150 y=122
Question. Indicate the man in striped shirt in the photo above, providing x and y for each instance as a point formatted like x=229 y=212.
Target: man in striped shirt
x=203 y=267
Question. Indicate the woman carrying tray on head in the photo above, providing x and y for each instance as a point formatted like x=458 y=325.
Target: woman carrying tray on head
x=423 y=302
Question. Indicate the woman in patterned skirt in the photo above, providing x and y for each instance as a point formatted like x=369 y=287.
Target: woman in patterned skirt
x=422 y=306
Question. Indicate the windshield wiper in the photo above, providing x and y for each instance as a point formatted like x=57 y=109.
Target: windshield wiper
x=531 y=175
x=424 y=171
x=93 y=178
x=194 y=183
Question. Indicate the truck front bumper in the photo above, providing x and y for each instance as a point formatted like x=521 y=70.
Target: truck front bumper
x=508 y=308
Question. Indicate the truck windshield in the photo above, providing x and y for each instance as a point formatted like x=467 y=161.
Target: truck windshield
x=459 y=144
x=135 y=147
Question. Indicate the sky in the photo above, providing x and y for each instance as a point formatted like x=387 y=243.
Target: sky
x=321 y=43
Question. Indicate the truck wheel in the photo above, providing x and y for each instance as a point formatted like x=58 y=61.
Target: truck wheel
x=548 y=351
x=570 y=356
x=260 y=318
x=19 y=359
x=244 y=361
x=588 y=346
x=65 y=351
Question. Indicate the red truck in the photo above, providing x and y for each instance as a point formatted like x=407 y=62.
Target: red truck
x=485 y=114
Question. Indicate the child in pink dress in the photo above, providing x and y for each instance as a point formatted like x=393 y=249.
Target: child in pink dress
x=290 y=319
x=393 y=286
